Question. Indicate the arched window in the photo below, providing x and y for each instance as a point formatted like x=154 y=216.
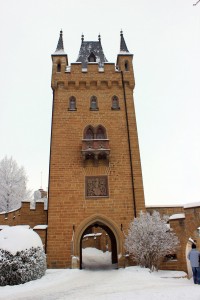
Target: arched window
x=89 y=133
x=126 y=66
x=92 y=57
x=115 y=103
x=93 y=103
x=58 y=67
x=100 y=133
x=72 y=103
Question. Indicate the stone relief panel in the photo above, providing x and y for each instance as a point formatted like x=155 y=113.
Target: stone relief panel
x=96 y=186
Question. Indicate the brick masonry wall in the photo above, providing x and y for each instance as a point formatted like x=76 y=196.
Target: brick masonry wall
x=68 y=205
x=184 y=228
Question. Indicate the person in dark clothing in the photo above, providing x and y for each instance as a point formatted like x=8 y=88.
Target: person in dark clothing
x=194 y=257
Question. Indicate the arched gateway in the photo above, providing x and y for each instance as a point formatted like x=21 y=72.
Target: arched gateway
x=114 y=233
x=95 y=177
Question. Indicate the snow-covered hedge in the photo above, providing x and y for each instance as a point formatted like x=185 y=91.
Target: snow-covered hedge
x=21 y=256
x=24 y=266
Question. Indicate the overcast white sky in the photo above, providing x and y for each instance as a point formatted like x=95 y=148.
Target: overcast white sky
x=163 y=35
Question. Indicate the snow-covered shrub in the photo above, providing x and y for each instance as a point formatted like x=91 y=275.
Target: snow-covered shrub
x=149 y=240
x=24 y=266
x=22 y=257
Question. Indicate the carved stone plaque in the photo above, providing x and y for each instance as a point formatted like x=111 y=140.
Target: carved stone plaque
x=96 y=186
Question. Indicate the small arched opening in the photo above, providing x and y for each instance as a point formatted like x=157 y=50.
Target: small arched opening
x=59 y=67
x=98 y=247
x=126 y=65
x=92 y=57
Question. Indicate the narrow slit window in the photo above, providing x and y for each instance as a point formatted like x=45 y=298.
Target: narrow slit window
x=93 y=103
x=59 y=67
x=115 y=103
x=72 y=103
x=126 y=66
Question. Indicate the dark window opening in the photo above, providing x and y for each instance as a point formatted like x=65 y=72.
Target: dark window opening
x=92 y=58
x=126 y=66
x=170 y=257
x=59 y=67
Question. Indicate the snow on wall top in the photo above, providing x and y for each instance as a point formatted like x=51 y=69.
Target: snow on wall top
x=157 y=206
x=190 y=205
x=18 y=238
x=177 y=216
x=40 y=227
x=89 y=47
x=15 y=209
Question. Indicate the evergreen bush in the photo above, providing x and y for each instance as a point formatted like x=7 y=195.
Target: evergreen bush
x=26 y=265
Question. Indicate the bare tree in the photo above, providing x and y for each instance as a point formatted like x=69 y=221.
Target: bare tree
x=13 y=182
x=149 y=240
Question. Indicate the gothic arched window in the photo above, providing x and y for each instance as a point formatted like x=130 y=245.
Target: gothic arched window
x=89 y=133
x=72 y=103
x=115 y=103
x=100 y=132
x=93 y=103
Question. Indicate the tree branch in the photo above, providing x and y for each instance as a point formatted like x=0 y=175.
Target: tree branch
x=196 y=3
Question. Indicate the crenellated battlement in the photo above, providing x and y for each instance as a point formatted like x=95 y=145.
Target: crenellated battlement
x=91 y=77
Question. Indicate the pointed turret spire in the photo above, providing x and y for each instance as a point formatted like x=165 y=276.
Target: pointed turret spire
x=60 y=46
x=123 y=47
x=60 y=42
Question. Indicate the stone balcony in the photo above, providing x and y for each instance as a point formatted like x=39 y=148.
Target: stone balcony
x=95 y=149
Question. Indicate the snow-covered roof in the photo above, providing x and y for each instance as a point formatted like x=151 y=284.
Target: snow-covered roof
x=59 y=52
x=88 y=48
x=177 y=216
x=125 y=53
x=157 y=206
x=60 y=46
x=40 y=227
x=190 y=205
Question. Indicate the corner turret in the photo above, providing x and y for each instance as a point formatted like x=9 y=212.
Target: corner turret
x=59 y=59
x=124 y=58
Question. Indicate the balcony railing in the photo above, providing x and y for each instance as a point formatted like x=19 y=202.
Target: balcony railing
x=95 y=149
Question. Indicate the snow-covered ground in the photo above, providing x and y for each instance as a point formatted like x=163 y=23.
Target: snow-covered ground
x=122 y=284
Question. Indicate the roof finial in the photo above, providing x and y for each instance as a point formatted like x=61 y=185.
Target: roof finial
x=82 y=37
x=60 y=42
x=99 y=37
x=123 y=47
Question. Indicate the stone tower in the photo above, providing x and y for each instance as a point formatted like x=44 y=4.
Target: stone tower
x=95 y=178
